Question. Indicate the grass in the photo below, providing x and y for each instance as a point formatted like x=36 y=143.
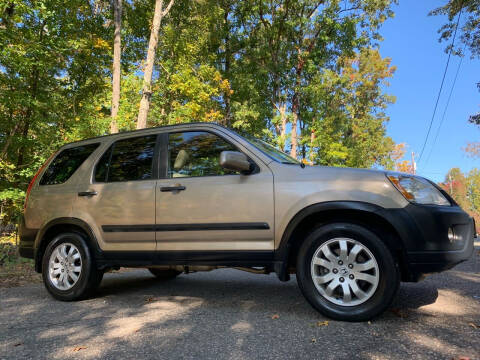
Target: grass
x=15 y=270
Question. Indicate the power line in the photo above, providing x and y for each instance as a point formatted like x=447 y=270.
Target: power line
x=441 y=87
x=444 y=111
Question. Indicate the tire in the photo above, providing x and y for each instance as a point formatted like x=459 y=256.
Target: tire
x=164 y=275
x=79 y=263
x=376 y=285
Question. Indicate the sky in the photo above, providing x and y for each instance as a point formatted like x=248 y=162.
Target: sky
x=411 y=40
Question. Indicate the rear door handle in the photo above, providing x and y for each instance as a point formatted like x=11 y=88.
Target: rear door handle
x=87 y=193
x=172 y=188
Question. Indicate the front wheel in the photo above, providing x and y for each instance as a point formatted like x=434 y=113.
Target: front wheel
x=346 y=272
x=68 y=268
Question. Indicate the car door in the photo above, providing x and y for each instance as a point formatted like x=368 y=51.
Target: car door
x=120 y=198
x=202 y=207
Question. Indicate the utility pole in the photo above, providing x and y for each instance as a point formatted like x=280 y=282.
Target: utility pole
x=450 y=182
x=414 y=164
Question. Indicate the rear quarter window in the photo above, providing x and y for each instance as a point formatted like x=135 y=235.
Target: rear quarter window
x=66 y=163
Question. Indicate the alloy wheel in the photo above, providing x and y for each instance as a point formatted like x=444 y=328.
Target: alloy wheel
x=345 y=272
x=65 y=266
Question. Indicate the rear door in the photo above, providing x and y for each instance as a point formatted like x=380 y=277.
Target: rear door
x=120 y=197
x=202 y=207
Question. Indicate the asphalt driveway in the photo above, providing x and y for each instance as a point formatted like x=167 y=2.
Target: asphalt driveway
x=228 y=314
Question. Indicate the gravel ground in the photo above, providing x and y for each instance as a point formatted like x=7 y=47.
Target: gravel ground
x=228 y=314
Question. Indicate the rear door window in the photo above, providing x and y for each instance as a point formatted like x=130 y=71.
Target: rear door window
x=66 y=163
x=127 y=160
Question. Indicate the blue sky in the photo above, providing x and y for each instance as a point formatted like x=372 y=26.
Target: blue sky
x=411 y=40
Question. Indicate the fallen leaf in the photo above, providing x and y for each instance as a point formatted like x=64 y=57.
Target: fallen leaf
x=275 y=316
x=314 y=340
x=475 y=326
x=149 y=299
x=399 y=313
x=17 y=344
x=78 y=348
x=322 y=323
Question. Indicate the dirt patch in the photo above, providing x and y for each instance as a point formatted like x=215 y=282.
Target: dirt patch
x=15 y=270
x=18 y=274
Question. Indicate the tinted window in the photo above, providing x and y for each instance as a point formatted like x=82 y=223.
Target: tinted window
x=196 y=154
x=101 y=170
x=127 y=160
x=66 y=163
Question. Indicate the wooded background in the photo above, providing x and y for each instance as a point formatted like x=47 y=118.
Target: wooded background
x=304 y=75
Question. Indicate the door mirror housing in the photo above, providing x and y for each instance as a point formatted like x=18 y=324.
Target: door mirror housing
x=234 y=160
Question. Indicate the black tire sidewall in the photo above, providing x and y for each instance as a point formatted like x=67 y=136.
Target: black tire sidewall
x=89 y=276
x=388 y=271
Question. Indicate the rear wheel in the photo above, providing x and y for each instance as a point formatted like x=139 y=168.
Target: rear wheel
x=68 y=268
x=163 y=274
x=346 y=272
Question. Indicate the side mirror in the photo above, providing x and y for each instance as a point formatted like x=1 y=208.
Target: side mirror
x=234 y=160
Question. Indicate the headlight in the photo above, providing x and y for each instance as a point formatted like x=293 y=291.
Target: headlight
x=417 y=190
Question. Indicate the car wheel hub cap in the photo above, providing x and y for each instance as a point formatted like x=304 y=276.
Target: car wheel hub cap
x=65 y=266
x=345 y=272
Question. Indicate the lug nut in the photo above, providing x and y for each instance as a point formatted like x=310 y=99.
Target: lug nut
x=335 y=271
x=341 y=279
x=340 y=262
x=351 y=276
x=350 y=266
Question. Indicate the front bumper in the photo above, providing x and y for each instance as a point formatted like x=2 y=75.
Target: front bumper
x=429 y=249
x=27 y=240
x=426 y=262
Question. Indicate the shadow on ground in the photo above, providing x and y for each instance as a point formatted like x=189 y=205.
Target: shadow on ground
x=227 y=314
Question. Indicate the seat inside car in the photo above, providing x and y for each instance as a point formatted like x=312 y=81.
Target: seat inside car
x=180 y=163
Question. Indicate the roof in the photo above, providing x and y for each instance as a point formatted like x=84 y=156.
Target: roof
x=151 y=128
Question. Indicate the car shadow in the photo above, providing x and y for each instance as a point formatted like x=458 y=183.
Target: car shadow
x=243 y=287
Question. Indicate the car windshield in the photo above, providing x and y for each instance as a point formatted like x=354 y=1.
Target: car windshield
x=270 y=150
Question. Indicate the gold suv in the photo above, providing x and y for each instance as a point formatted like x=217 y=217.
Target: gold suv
x=199 y=196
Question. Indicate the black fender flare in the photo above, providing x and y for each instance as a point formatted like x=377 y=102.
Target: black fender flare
x=282 y=252
x=64 y=221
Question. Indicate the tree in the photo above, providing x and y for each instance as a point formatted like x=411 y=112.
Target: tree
x=303 y=75
x=116 y=72
x=159 y=14
x=470 y=33
x=396 y=156
x=52 y=64
x=346 y=113
x=465 y=190
x=470 y=30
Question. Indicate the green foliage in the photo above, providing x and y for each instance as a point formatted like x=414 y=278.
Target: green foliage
x=470 y=28
x=465 y=189
x=469 y=33
x=256 y=66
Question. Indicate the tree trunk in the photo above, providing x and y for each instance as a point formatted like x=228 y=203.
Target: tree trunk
x=228 y=110
x=312 y=140
x=293 y=135
x=21 y=150
x=283 y=129
x=116 y=72
x=14 y=132
x=148 y=71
